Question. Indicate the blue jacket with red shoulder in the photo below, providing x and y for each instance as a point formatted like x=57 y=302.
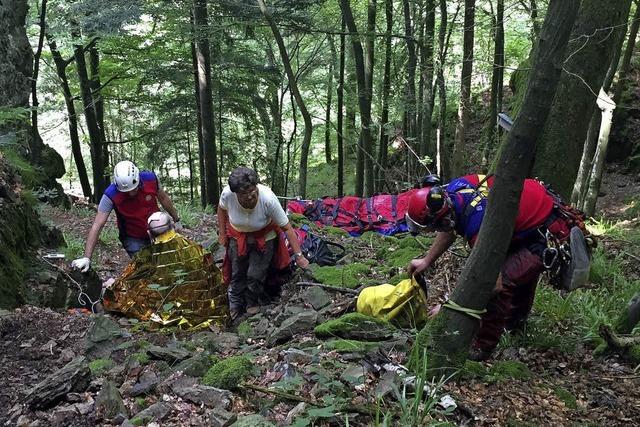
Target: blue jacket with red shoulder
x=132 y=212
x=469 y=193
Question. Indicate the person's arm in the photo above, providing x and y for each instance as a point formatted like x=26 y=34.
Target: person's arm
x=94 y=233
x=223 y=220
x=167 y=204
x=295 y=245
x=443 y=241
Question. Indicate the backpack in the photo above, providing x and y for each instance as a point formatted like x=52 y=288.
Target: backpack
x=404 y=304
x=317 y=250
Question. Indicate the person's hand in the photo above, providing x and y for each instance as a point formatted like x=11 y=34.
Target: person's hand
x=417 y=266
x=178 y=225
x=302 y=262
x=81 y=264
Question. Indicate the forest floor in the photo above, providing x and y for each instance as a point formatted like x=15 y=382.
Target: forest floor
x=549 y=375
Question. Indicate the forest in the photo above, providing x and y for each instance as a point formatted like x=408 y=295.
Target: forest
x=330 y=102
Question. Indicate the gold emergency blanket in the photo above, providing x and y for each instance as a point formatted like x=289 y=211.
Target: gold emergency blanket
x=404 y=304
x=171 y=282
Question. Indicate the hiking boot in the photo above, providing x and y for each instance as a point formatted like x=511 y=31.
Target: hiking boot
x=576 y=274
x=479 y=355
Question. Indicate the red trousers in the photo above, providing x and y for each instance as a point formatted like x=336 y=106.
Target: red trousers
x=512 y=299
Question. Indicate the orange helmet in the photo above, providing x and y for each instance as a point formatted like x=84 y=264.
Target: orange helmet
x=426 y=206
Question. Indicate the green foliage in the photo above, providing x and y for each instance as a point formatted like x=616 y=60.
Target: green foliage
x=567 y=397
x=347 y=276
x=31 y=175
x=228 y=373
x=141 y=357
x=110 y=235
x=99 y=367
x=321 y=180
x=75 y=246
x=349 y=346
x=507 y=370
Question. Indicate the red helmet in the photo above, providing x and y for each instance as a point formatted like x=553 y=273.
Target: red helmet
x=426 y=206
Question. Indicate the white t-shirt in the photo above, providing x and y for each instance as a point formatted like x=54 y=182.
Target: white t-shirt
x=267 y=210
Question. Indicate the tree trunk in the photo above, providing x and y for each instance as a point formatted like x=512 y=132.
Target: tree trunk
x=443 y=42
x=327 y=119
x=97 y=161
x=449 y=334
x=464 y=107
x=491 y=132
x=339 y=107
x=76 y=150
x=196 y=91
x=607 y=106
x=535 y=25
x=189 y=159
x=364 y=80
x=94 y=80
x=383 y=150
x=36 y=141
x=586 y=162
x=410 y=91
x=560 y=147
x=293 y=85
x=205 y=97
x=623 y=74
x=427 y=77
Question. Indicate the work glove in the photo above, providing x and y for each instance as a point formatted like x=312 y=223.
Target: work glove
x=81 y=264
x=178 y=225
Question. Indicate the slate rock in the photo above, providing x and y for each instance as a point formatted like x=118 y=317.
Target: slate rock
x=353 y=374
x=254 y=420
x=103 y=337
x=109 y=402
x=195 y=366
x=218 y=417
x=227 y=341
x=146 y=383
x=74 y=376
x=208 y=396
x=293 y=355
x=168 y=354
x=156 y=412
x=389 y=382
x=298 y=323
x=317 y=297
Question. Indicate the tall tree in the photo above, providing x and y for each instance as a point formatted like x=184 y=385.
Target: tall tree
x=95 y=136
x=448 y=336
x=327 y=121
x=426 y=62
x=364 y=79
x=36 y=141
x=490 y=132
x=293 y=85
x=383 y=147
x=205 y=98
x=464 y=107
x=72 y=118
x=590 y=51
x=339 y=108
x=412 y=59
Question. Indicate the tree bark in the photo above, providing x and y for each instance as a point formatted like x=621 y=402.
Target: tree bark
x=94 y=80
x=327 y=124
x=36 y=141
x=491 y=132
x=427 y=77
x=97 y=161
x=560 y=147
x=449 y=334
x=201 y=167
x=340 y=124
x=623 y=74
x=293 y=85
x=76 y=150
x=205 y=98
x=364 y=80
x=464 y=107
x=410 y=91
x=607 y=106
x=383 y=148
x=189 y=159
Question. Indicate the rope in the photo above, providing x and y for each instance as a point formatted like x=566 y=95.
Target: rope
x=81 y=293
x=465 y=310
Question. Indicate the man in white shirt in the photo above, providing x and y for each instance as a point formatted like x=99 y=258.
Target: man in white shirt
x=249 y=219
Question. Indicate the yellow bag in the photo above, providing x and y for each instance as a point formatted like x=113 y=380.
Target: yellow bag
x=404 y=304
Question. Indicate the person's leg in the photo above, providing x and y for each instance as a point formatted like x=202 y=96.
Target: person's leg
x=259 y=263
x=133 y=245
x=527 y=278
x=238 y=283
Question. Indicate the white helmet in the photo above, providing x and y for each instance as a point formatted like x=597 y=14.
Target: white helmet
x=126 y=176
x=158 y=223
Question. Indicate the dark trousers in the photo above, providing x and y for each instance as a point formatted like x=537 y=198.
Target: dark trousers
x=248 y=275
x=513 y=297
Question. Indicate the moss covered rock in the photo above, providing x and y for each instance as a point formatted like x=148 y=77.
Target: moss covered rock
x=99 y=367
x=346 y=276
x=349 y=346
x=355 y=326
x=508 y=369
x=228 y=373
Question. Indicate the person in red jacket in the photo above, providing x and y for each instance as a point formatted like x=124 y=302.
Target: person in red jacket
x=250 y=221
x=134 y=196
x=458 y=209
